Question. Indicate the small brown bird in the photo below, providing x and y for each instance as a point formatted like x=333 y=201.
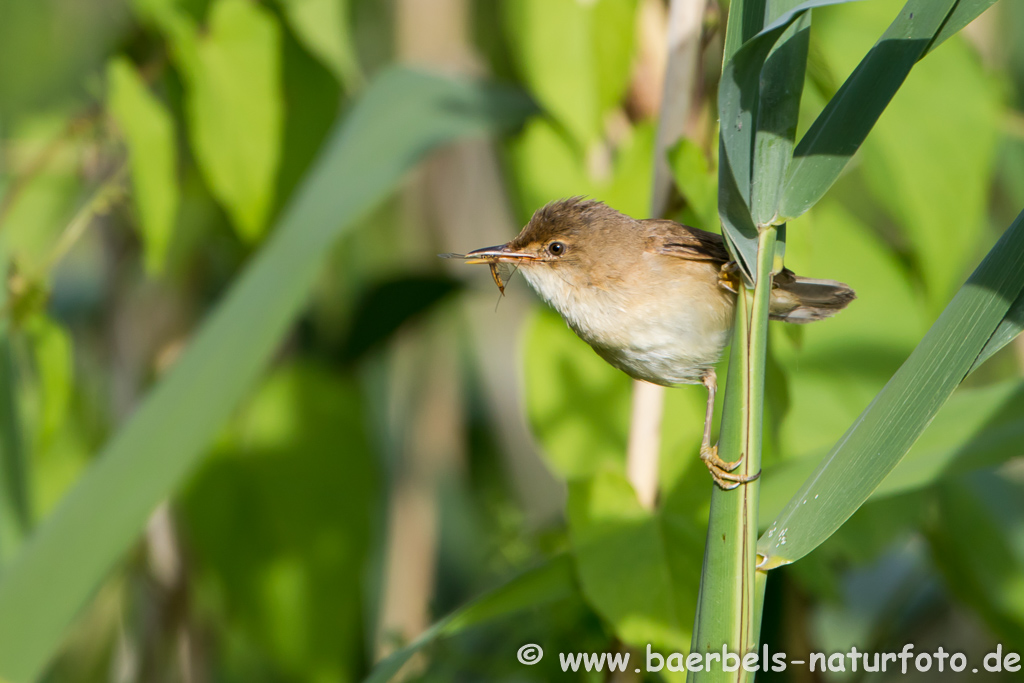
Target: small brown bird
x=652 y=297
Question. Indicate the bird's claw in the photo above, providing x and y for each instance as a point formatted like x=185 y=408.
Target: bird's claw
x=729 y=277
x=722 y=471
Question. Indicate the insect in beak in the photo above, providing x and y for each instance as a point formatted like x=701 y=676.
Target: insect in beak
x=499 y=258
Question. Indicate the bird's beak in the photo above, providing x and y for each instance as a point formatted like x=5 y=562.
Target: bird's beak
x=497 y=254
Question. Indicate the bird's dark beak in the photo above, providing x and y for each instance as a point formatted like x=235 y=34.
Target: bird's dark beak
x=498 y=254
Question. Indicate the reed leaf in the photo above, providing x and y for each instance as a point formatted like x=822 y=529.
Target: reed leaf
x=402 y=116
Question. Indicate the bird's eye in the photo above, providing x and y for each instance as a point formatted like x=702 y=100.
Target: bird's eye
x=556 y=248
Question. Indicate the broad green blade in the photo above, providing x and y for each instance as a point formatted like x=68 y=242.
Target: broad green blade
x=781 y=84
x=550 y=582
x=741 y=118
x=887 y=429
x=964 y=13
x=839 y=130
x=1007 y=331
x=149 y=135
x=977 y=427
x=402 y=116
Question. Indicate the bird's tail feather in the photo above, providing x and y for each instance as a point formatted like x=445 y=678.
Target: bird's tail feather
x=803 y=300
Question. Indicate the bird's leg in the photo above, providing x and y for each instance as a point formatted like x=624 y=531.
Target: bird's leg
x=721 y=471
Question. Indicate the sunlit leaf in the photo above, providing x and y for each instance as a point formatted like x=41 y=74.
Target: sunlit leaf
x=554 y=52
x=575 y=55
x=578 y=404
x=152 y=148
x=279 y=524
x=235 y=109
x=54 y=368
x=622 y=557
x=613 y=43
x=323 y=27
x=696 y=182
x=548 y=167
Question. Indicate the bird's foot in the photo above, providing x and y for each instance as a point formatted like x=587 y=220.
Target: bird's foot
x=722 y=471
x=729 y=277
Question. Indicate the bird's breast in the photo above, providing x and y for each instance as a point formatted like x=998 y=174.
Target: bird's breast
x=665 y=328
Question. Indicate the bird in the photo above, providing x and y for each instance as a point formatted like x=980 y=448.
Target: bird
x=654 y=298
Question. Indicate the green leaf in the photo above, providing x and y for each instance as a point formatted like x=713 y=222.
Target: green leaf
x=553 y=49
x=964 y=13
x=235 y=109
x=778 y=106
x=887 y=429
x=152 y=148
x=742 y=122
x=622 y=558
x=323 y=27
x=575 y=55
x=613 y=41
x=53 y=357
x=549 y=582
x=976 y=428
x=38 y=213
x=696 y=182
x=1007 y=331
x=15 y=495
x=402 y=116
x=156 y=11
x=279 y=525
x=548 y=167
x=578 y=405
x=15 y=507
x=839 y=130
x=859 y=349
x=579 y=411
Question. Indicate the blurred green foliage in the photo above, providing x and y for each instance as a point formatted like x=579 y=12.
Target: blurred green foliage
x=154 y=151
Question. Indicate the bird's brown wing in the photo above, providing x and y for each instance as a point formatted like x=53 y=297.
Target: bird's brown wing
x=681 y=241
